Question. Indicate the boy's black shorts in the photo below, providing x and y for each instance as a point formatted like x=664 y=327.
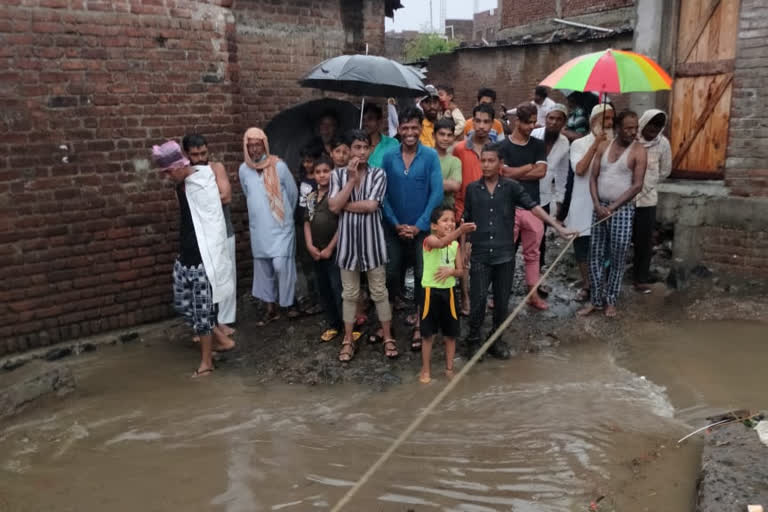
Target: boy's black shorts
x=439 y=313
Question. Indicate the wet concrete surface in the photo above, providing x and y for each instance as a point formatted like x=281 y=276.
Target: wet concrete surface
x=734 y=470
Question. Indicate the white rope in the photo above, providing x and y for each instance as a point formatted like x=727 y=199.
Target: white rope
x=447 y=389
x=455 y=381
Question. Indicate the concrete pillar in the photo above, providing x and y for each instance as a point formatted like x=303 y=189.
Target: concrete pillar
x=655 y=36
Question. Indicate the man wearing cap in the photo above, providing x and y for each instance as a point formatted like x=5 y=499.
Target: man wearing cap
x=552 y=186
x=430 y=105
x=202 y=272
x=580 y=210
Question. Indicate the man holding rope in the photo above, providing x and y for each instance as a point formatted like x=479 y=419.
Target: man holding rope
x=618 y=171
x=490 y=203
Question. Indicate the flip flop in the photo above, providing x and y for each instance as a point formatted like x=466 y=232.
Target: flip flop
x=268 y=319
x=329 y=335
x=203 y=373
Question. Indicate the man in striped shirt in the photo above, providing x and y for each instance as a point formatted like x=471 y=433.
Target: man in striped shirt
x=356 y=194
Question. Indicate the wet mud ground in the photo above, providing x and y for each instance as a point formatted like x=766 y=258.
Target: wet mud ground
x=587 y=408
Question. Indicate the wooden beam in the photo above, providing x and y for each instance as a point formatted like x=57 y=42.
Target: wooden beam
x=715 y=67
x=699 y=30
x=712 y=102
x=718 y=174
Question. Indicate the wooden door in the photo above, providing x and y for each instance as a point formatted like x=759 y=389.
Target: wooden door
x=701 y=92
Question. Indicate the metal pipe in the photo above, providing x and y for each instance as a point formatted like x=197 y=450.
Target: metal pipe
x=581 y=25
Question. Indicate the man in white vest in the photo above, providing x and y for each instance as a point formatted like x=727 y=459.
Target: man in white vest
x=202 y=272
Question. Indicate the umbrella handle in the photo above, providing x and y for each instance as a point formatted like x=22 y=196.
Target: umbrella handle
x=362 y=108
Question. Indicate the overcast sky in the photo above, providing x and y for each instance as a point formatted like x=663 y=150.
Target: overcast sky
x=415 y=14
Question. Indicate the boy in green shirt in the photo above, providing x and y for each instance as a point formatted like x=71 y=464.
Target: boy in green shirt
x=442 y=265
x=449 y=164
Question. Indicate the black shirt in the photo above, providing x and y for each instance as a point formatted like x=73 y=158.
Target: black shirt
x=189 y=252
x=516 y=155
x=494 y=214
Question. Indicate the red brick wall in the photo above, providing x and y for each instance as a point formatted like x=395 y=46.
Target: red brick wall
x=578 y=7
x=487 y=23
x=86 y=244
x=513 y=71
x=735 y=250
x=521 y=12
x=746 y=169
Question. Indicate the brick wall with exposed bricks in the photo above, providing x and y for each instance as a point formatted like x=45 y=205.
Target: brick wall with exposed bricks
x=515 y=13
x=735 y=250
x=747 y=164
x=513 y=71
x=87 y=227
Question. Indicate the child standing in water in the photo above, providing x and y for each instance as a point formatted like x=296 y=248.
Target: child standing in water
x=442 y=265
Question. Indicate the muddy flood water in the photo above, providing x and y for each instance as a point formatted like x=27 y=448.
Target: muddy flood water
x=550 y=431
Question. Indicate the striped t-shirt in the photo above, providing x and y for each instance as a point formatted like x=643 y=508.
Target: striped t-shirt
x=361 y=244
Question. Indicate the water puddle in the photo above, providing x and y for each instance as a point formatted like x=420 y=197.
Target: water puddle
x=544 y=432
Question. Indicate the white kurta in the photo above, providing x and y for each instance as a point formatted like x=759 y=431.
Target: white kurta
x=552 y=185
x=269 y=238
x=210 y=230
x=581 y=208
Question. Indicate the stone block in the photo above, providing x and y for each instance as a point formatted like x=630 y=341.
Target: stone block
x=35 y=380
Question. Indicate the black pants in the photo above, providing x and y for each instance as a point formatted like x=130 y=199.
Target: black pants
x=328 y=283
x=543 y=246
x=481 y=275
x=404 y=253
x=642 y=237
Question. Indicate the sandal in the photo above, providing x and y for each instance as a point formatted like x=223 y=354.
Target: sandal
x=416 y=340
x=313 y=310
x=329 y=335
x=203 y=373
x=377 y=337
x=390 y=349
x=347 y=354
x=424 y=379
x=268 y=319
x=293 y=313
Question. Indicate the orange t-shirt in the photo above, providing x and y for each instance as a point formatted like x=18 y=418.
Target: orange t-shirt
x=471 y=170
x=497 y=127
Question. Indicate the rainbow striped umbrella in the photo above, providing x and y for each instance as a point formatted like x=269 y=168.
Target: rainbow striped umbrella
x=610 y=71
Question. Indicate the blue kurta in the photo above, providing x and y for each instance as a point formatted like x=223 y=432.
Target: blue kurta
x=269 y=239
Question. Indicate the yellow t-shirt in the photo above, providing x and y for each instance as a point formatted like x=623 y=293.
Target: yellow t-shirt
x=427 y=133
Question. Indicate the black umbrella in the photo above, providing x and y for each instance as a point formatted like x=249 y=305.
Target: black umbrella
x=292 y=129
x=365 y=75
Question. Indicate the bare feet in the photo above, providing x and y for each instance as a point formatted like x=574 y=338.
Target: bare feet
x=449 y=373
x=537 y=302
x=588 y=310
x=227 y=330
x=610 y=311
x=222 y=342
x=424 y=377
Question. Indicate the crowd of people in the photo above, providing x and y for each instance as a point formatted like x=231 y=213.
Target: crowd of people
x=450 y=197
